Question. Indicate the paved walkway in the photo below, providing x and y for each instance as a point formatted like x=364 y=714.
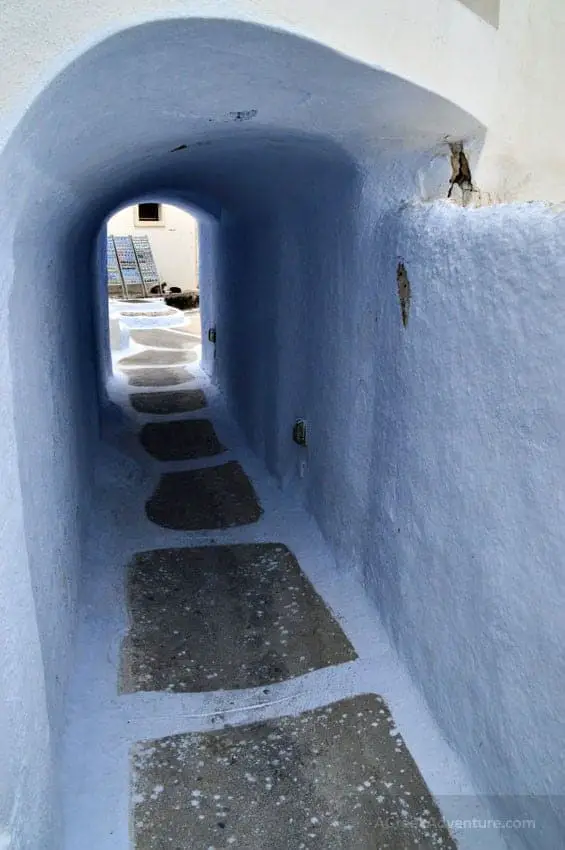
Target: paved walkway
x=220 y=698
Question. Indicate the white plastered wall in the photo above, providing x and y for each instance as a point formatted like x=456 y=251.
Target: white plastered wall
x=524 y=157
x=348 y=375
x=173 y=242
x=414 y=39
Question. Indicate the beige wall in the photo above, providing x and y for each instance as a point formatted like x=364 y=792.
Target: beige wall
x=524 y=156
x=174 y=243
x=489 y=10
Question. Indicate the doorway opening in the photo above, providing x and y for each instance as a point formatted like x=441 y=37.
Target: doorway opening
x=151 y=286
x=153 y=251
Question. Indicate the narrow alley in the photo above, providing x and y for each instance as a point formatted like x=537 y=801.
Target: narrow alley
x=227 y=687
x=282 y=570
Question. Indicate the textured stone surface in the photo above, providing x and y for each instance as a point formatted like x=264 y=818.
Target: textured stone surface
x=159 y=338
x=338 y=778
x=192 y=324
x=184 y=440
x=222 y=617
x=158 y=357
x=216 y=497
x=168 y=402
x=158 y=377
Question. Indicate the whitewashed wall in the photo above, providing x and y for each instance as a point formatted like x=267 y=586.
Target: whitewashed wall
x=436 y=459
x=174 y=244
x=308 y=154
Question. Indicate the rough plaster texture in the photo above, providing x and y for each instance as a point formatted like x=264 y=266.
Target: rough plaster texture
x=435 y=458
x=48 y=421
x=434 y=43
x=402 y=38
x=298 y=167
x=472 y=491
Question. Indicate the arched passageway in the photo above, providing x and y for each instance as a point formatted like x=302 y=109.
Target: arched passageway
x=303 y=164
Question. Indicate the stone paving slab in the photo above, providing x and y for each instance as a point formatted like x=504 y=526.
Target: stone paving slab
x=337 y=778
x=199 y=499
x=225 y=617
x=185 y=440
x=183 y=401
x=159 y=338
x=157 y=357
x=158 y=377
x=192 y=325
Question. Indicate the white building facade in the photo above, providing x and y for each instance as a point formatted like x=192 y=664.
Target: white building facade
x=172 y=234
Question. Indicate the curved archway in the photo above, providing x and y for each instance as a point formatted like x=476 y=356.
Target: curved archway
x=295 y=151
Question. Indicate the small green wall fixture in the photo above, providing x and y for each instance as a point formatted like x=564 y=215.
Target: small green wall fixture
x=299 y=432
x=212 y=335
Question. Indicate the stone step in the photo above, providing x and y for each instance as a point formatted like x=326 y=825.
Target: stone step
x=158 y=338
x=224 y=617
x=337 y=778
x=186 y=439
x=168 y=402
x=158 y=377
x=200 y=499
x=159 y=357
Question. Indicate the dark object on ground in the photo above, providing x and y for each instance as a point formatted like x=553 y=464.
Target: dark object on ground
x=174 y=290
x=168 y=402
x=205 y=498
x=187 y=439
x=183 y=300
x=158 y=289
